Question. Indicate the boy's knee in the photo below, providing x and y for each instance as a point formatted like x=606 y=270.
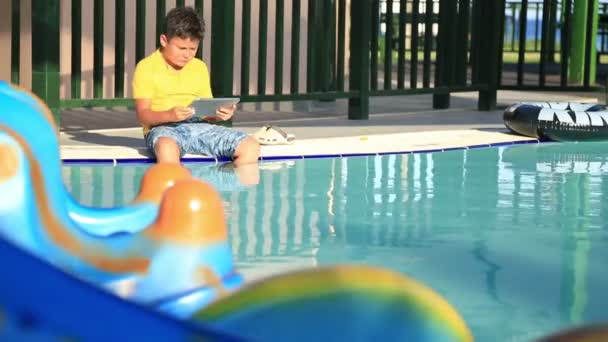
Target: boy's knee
x=248 y=151
x=167 y=150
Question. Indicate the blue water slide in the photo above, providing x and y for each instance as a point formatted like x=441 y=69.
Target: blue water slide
x=42 y=302
x=28 y=118
x=35 y=215
x=113 y=261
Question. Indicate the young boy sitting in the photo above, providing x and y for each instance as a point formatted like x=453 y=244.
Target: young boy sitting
x=165 y=84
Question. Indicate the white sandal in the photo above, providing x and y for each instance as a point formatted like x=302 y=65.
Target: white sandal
x=272 y=135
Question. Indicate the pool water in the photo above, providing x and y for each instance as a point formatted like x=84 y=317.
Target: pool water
x=514 y=237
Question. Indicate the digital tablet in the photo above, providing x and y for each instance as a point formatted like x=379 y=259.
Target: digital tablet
x=204 y=107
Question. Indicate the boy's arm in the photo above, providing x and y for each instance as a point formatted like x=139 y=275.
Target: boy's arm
x=146 y=116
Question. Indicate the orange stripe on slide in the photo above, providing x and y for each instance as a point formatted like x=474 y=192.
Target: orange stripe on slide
x=9 y=162
x=94 y=254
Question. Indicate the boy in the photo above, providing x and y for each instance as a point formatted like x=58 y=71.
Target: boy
x=165 y=84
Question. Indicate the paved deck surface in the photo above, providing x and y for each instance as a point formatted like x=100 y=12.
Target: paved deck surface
x=396 y=124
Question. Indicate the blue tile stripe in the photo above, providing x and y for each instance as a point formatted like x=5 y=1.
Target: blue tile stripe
x=72 y=161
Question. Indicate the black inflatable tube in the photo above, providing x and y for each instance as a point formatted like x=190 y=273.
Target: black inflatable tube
x=558 y=121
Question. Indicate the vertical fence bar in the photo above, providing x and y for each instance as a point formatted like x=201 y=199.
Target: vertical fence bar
x=428 y=43
x=388 y=45
x=602 y=32
x=15 y=40
x=521 y=53
x=358 y=107
x=180 y=3
x=278 y=48
x=375 y=14
x=245 y=47
x=565 y=42
x=497 y=68
x=552 y=30
x=476 y=22
x=536 y=11
x=161 y=10
x=341 y=44
x=447 y=8
x=321 y=45
x=140 y=30
x=493 y=17
x=329 y=57
x=462 y=46
x=401 y=52
x=544 y=46
x=312 y=47
x=76 y=68
x=513 y=11
x=198 y=5
x=98 y=48
x=119 y=50
x=45 y=60
x=222 y=47
x=414 y=45
x=577 y=42
x=262 y=47
x=295 y=46
x=588 y=42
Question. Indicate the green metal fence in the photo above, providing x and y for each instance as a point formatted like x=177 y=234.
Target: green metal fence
x=441 y=46
x=552 y=44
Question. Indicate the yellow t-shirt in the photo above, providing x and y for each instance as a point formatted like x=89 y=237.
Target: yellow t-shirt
x=166 y=87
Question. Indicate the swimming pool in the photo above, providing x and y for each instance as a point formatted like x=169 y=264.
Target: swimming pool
x=514 y=237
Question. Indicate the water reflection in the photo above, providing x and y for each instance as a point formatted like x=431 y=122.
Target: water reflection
x=514 y=237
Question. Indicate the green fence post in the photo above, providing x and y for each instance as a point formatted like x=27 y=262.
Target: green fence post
x=98 y=46
x=321 y=34
x=443 y=75
x=15 y=40
x=262 y=46
x=492 y=13
x=140 y=30
x=590 y=64
x=278 y=47
x=580 y=18
x=119 y=52
x=545 y=41
x=222 y=47
x=552 y=29
x=360 y=35
x=161 y=12
x=45 y=54
x=76 y=67
x=295 y=47
x=461 y=43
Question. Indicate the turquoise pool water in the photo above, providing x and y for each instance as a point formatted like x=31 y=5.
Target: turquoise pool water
x=514 y=237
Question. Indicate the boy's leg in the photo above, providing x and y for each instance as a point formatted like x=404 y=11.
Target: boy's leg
x=166 y=150
x=247 y=152
x=219 y=141
x=166 y=143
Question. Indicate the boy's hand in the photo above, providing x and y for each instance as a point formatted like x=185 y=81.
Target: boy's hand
x=182 y=113
x=225 y=113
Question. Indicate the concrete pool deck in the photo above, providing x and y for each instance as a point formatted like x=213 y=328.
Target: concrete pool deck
x=396 y=124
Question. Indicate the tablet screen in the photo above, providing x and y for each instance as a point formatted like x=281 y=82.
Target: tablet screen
x=204 y=107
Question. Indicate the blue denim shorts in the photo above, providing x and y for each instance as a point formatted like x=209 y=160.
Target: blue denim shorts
x=198 y=138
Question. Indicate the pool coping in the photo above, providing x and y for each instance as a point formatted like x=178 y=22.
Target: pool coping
x=335 y=147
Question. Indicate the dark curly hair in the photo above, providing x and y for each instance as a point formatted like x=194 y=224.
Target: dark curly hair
x=184 y=22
